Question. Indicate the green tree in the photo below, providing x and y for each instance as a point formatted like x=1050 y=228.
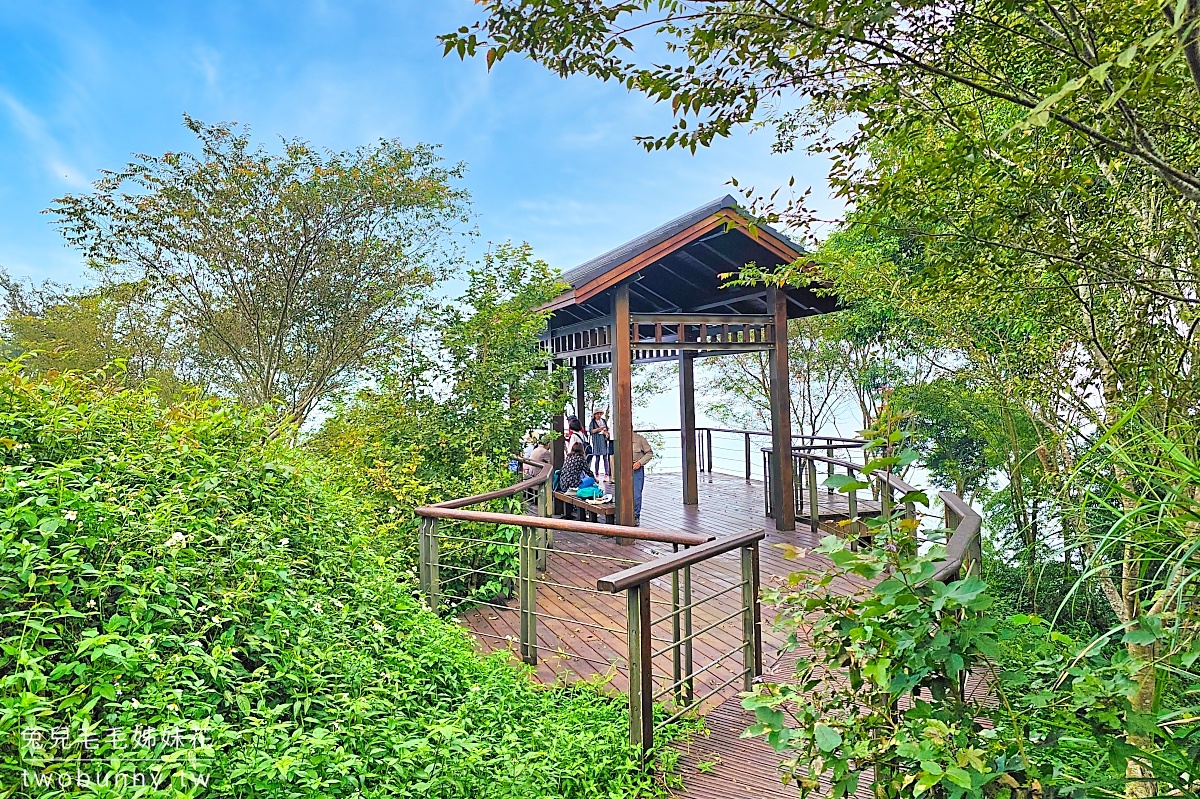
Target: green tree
x=1035 y=164
x=451 y=409
x=59 y=328
x=293 y=271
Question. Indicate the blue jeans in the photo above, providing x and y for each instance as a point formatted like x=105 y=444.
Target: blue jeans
x=639 y=481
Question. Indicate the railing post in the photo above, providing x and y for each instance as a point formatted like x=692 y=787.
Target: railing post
x=676 y=624
x=829 y=463
x=798 y=482
x=681 y=633
x=797 y=486
x=770 y=512
x=751 y=617
x=708 y=446
x=641 y=677
x=527 y=595
x=429 y=562
x=545 y=535
x=423 y=558
x=689 y=687
x=747 y=457
x=814 y=513
x=852 y=511
x=852 y=497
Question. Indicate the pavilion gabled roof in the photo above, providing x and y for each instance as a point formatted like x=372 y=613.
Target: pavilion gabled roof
x=677 y=268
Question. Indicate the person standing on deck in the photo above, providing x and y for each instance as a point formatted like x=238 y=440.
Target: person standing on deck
x=643 y=453
x=575 y=434
x=598 y=428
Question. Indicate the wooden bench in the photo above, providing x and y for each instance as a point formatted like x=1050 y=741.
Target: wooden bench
x=591 y=509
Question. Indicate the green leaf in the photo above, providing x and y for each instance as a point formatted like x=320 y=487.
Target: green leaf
x=827 y=738
x=959 y=777
x=845 y=483
x=1099 y=72
x=1139 y=637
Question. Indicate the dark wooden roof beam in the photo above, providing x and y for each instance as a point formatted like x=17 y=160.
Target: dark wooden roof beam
x=704 y=243
x=641 y=287
x=701 y=291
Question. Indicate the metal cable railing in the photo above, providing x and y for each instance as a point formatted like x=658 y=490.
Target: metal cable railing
x=730 y=451
x=696 y=616
x=659 y=645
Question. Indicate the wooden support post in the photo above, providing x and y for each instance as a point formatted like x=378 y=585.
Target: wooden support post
x=580 y=394
x=752 y=659
x=641 y=675
x=622 y=408
x=782 y=480
x=687 y=428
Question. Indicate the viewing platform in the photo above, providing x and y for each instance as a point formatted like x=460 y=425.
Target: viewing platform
x=582 y=635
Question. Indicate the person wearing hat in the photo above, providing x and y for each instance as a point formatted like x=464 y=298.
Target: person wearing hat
x=598 y=429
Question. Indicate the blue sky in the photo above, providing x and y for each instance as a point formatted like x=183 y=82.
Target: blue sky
x=550 y=161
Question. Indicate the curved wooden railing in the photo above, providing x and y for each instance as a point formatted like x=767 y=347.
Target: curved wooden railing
x=536 y=544
x=541 y=477
x=963 y=548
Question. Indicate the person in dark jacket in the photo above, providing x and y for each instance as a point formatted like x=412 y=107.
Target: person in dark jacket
x=574 y=467
x=570 y=476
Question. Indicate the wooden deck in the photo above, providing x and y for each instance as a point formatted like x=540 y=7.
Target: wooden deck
x=581 y=632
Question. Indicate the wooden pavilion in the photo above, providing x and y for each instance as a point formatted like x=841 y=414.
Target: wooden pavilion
x=670 y=613
x=662 y=297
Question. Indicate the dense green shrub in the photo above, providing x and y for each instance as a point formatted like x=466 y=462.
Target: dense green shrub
x=1075 y=604
x=185 y=602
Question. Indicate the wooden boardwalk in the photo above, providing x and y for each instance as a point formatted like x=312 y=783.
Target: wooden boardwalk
x=581 y=632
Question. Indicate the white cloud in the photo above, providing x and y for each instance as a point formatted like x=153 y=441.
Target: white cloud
x=207 y=61
x=47 y=149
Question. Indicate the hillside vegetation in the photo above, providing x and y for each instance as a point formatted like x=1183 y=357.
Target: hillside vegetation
x=188 y=605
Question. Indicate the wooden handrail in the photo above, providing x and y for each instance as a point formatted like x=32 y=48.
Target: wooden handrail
x=545 y=470
x=653 y=569
x=566 y=525
x=892 y=480
x=852 y=442
x=965 y=545
x=964 y=523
